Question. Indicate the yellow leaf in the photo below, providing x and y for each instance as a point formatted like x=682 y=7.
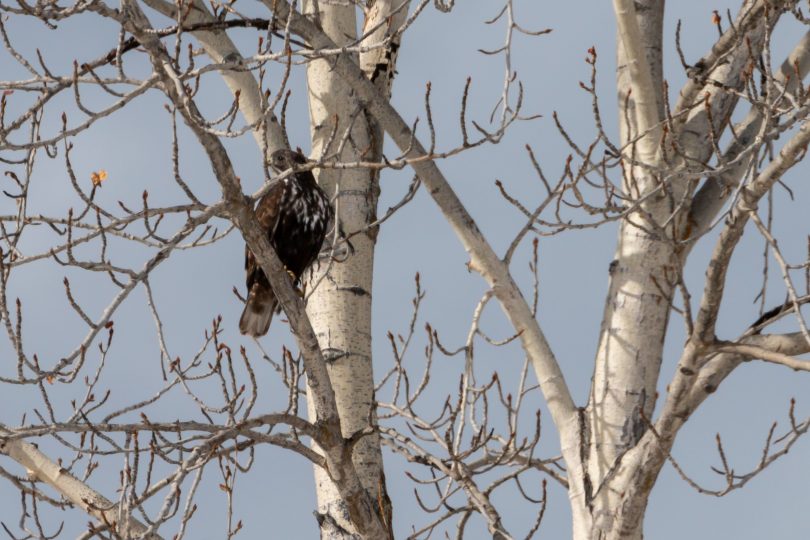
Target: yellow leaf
x=98 y=177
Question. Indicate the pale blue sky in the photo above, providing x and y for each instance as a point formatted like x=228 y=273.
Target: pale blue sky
x=277 y=499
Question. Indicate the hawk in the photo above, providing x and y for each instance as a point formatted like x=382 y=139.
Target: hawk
x=295 y=214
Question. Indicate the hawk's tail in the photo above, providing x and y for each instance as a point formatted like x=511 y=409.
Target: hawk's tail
x=258 y=312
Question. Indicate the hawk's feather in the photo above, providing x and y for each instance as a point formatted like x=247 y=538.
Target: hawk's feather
x=295 y=214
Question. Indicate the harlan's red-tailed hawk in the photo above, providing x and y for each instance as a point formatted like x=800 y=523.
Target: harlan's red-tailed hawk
x=295 y=214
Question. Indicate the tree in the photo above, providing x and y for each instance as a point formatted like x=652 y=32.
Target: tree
x=689 y=170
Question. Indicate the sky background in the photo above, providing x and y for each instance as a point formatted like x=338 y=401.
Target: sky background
x=276 y=499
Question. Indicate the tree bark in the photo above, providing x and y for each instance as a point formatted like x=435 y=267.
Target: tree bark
x=341 y=292
x=636 y=313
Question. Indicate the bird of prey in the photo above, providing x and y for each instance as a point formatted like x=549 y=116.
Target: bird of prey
x=295 y=214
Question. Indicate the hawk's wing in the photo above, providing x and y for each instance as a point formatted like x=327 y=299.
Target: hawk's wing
x=261 y=302
x=267 y=213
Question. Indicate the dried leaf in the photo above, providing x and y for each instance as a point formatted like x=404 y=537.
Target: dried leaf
x=98 y=177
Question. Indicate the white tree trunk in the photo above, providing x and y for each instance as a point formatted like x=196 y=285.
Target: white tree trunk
x=641 y=275
x=644 y=272
x=340 y=305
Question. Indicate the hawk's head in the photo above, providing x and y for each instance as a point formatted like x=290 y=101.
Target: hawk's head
x=284 y=159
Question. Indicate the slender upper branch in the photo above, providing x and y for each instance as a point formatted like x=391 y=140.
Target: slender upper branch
x=714 y=194
x=643 y=91
x=218 y=46
x=750 y=195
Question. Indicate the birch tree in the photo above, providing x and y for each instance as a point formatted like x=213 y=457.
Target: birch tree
x=682 y=167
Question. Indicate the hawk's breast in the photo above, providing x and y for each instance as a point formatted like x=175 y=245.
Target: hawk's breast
x=303 y=218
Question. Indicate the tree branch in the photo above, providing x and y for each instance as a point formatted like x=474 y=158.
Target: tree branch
x=643 y=92
x=765 y=354
x=792 y=152
x=716 y=191
x=80 y=494
x=219 y=47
